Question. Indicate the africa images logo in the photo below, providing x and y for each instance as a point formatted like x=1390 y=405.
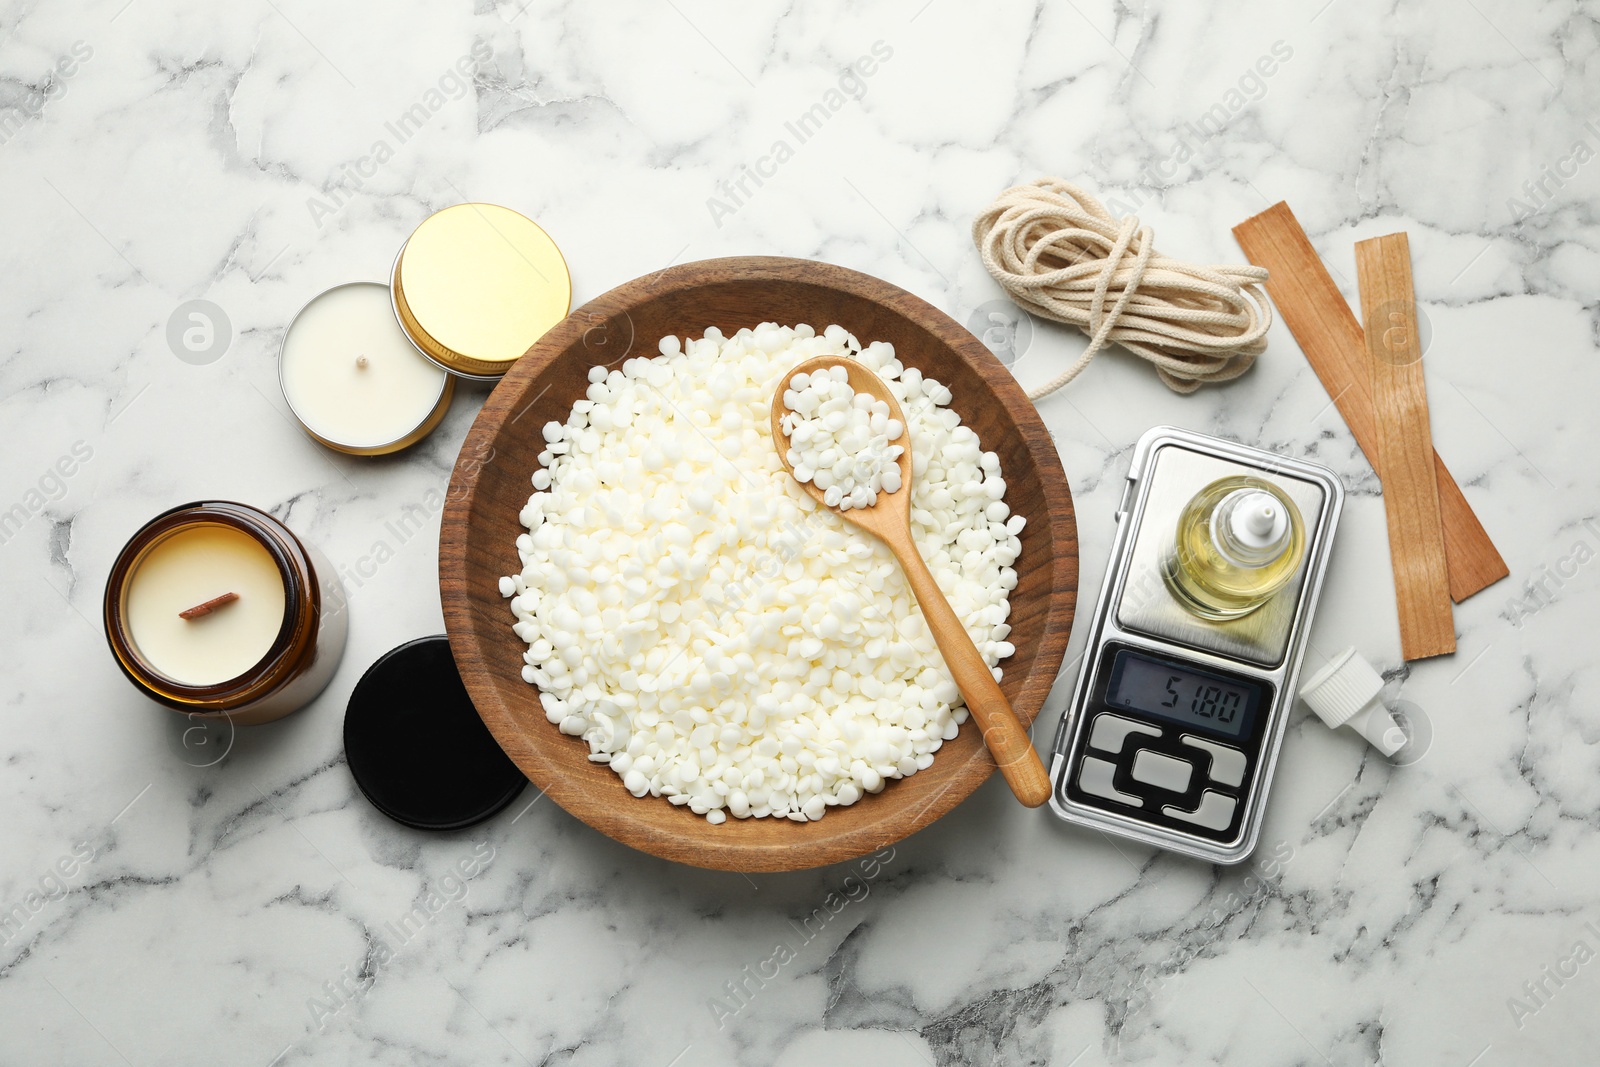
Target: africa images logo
x=1004 y=328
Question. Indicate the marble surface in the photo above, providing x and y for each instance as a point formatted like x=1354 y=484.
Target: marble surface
x=155 y=153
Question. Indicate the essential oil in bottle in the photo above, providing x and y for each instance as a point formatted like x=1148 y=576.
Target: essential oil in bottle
x=1239 y=541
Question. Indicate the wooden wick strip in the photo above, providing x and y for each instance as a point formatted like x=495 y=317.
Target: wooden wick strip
x=208 y=607
x=1405 y=445
x=1327 y=331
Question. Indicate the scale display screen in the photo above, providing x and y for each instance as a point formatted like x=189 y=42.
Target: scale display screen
x=1186 y=695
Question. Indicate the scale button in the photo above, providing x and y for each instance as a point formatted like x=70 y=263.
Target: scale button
x=1214 y=813
x=1227 y=764
x=1163 y=772
x=1110 y=731
x=1094 y=777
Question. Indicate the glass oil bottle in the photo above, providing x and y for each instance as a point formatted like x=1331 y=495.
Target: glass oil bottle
x=1238 y=541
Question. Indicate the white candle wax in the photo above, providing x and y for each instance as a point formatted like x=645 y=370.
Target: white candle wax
x=352 y=377
x=188 y=568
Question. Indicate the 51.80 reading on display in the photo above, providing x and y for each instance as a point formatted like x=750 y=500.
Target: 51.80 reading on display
x=1169 y=691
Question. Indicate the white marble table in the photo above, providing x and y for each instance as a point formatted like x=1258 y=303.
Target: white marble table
x=252 y=156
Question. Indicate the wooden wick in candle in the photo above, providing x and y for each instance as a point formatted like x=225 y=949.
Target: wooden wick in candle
x=361 y=362
x=208 y=607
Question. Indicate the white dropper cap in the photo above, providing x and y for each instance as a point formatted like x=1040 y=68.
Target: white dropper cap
x=1344 y=693
x=1258 y=520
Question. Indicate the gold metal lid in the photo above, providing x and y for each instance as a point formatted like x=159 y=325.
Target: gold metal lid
x=476 y=285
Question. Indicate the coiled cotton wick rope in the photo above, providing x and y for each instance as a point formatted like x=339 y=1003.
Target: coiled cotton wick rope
x=1059 y=253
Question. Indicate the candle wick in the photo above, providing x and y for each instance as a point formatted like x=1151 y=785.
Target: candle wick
x=361 y=361
x=208 y=607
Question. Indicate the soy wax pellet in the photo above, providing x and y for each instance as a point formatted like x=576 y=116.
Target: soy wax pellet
x=702 y=626
x=843 y=436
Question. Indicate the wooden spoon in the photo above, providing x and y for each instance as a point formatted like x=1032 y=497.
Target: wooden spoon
x=890 y=521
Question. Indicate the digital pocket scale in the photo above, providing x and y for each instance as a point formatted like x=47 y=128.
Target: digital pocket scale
x=1172 y=734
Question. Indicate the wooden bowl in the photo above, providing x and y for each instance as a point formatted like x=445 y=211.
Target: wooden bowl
x=489 y=487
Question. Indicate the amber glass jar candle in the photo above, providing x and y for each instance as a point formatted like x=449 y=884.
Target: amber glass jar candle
x=217 y=608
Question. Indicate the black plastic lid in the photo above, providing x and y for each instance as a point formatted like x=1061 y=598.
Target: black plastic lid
x=416 y=746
